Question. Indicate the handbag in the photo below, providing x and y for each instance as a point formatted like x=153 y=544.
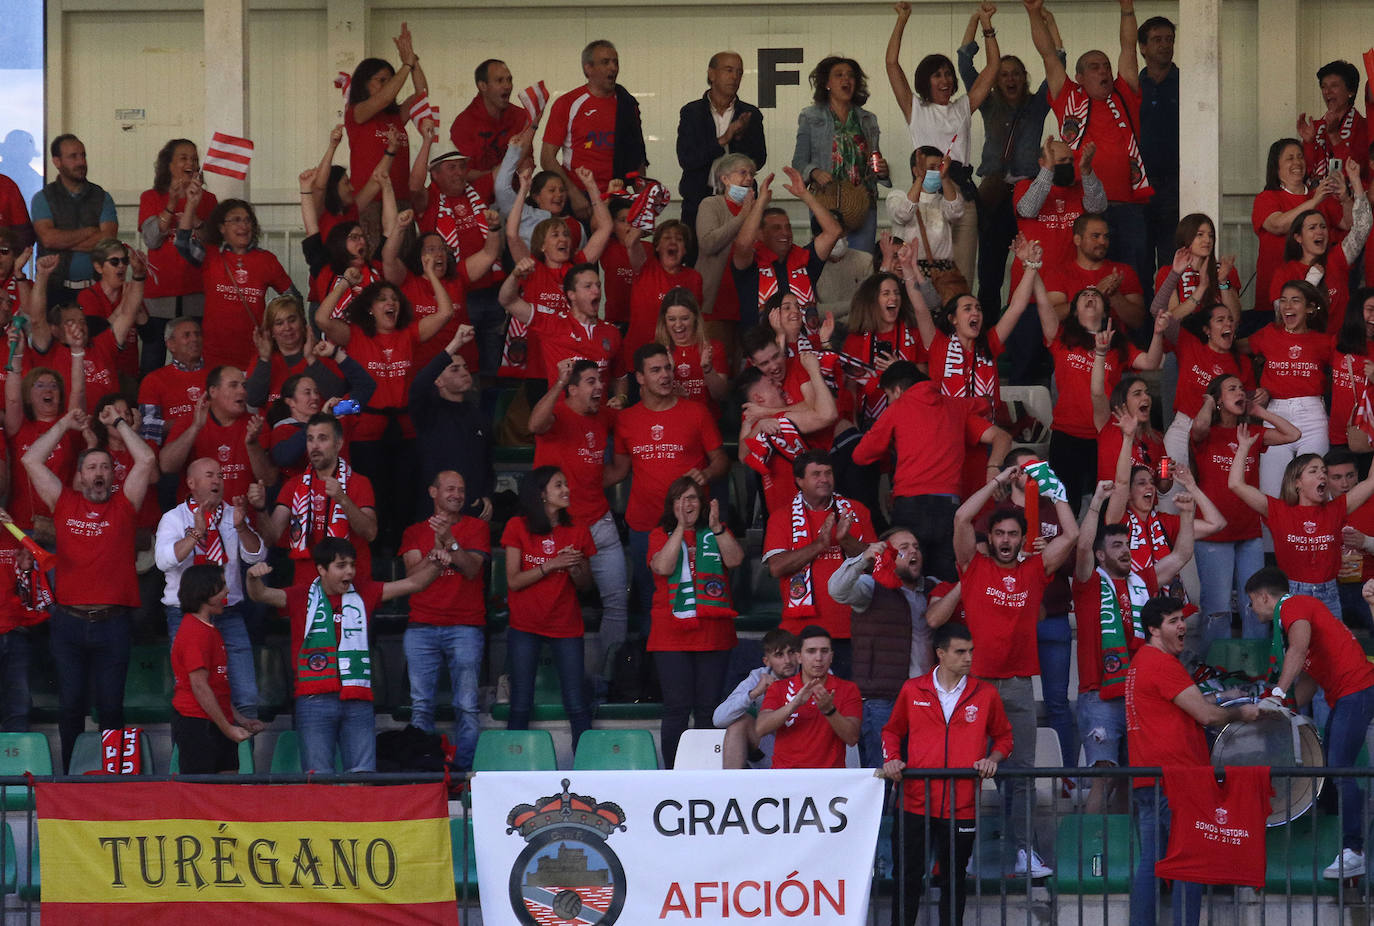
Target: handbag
x=948 y=283
x=849 y=202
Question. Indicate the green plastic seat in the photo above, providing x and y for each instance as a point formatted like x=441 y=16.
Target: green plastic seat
x=274 y=682
x=148 y=686
x=9 y=877
x=20 y=753
x=86 y=754
x=615 y=750
x=514 y=751
x=464 y=862
x=1088 y=863
x=1248 y=656
x=1293 y=850
x=548 y=694
x=286 y=755
x=246 y=766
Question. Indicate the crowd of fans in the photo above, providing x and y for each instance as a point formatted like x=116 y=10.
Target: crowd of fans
x=165 y=412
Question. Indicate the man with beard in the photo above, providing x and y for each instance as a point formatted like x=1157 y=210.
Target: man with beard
x=327 y=500
x=1002 y=594
x=1108 y=594
x=97 y=585
x=1089 y=267
x=203 y=529
x=71 y=216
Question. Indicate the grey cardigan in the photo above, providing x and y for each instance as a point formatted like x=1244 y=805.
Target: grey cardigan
x=816 y=137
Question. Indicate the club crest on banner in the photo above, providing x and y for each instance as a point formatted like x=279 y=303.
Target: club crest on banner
x=567 y=873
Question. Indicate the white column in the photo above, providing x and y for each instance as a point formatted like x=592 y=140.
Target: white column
x=346 y=38
x=1280 y=89
x=1199 y=107
x=226 y=81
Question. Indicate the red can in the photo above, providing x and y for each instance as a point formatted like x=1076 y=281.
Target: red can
x=875 y=161
x=1166 y=468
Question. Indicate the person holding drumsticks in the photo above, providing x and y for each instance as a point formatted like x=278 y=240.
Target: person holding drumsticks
x=1318 y=649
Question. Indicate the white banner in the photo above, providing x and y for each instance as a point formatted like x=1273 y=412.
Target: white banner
x=582 y=848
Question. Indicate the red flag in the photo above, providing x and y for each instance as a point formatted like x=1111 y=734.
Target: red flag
x=343 y=82
x=423 y=109
x=229 y=155
x=534 y=99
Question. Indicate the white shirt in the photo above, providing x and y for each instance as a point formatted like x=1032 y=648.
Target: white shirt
x=937 y=125
x=722 y=120
x=938 y=214
x=172 y=528
x=949 y=699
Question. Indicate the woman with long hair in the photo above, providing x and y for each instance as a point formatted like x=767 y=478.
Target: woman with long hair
x=1233 y=554
x=1350 y=374
x=882 y=330
x=699 y=362
x=692 y=628
x=546 y=563
x=1201 y=278
x=1206 y=347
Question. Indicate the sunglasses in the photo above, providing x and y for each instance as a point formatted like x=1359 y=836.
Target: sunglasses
x=116 y=261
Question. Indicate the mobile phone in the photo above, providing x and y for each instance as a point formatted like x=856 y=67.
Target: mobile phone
x=1334 y=166
x=883 y=347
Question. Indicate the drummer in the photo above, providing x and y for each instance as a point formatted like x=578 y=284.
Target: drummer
x=1320 y=649
x=1109 y=588
x=1165 y=714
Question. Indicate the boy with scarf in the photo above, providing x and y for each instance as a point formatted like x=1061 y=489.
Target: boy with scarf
x=329 y=629
x=1108 y=593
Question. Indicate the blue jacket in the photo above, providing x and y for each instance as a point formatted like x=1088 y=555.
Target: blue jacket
x=816 y=137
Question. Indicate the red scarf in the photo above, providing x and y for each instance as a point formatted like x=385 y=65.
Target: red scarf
x=303 y=511
x=446 y=220
x=968 y=373
x=1074 y=128
x=1148 y=542
x=211 y=549
x=369 y=276
x=798 y=281
x=1323 y=142
x=787 y=443
x=801 y=597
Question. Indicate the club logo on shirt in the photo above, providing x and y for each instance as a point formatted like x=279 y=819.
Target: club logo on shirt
x=387 y=352
x=548 y=546
x=193 y=394
x=684 y=371
x=970 y=713
x=1070 y=130
x=1294 y=352
x=1221 y=816
x=1009 y=582
x=591 y=440
x=656 y=432
x=224 y=450
x=1310 y=526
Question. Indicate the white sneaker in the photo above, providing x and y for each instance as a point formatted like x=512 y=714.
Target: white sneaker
x=1349 y=864
x=1038 y=869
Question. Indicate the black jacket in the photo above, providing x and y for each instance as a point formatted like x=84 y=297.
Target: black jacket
x=697 y=148
x=629 y=155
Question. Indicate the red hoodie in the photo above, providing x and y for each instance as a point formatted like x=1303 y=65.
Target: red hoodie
x=929 y=433
x=933 y=742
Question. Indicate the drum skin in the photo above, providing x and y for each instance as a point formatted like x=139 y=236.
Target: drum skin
x=1279 y=739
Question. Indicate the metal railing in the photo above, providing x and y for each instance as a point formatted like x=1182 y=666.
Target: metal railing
x=1094 y=855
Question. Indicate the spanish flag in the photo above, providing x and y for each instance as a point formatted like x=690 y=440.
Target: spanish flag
x=177 y=852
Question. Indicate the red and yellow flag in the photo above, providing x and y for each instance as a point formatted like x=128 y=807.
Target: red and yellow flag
x=146 y=852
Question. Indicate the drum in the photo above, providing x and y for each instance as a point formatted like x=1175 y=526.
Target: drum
x=1279 y=739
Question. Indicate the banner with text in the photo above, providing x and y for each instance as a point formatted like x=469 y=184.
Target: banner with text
x=234 y=854
x=581 y=848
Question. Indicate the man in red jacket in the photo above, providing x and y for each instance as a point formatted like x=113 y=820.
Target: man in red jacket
x=947 y=719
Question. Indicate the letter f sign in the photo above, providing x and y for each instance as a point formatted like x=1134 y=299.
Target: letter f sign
x=771 y=78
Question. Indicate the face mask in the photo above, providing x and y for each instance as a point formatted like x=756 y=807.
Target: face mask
x=1063 y=174
x=736 y=193
x=931 y=183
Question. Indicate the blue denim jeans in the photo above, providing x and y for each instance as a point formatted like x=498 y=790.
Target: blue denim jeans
x=429 y=646
x=486 y=315
x=642 y=599
x=238 y=651
x=1345 y=732
x=1224 y=568
x=1354 y=609
x=92 y=661
x=523 y=650
x=325 y=723
x=1325 y=592
x=1152 y=823
x=1054 y=640
x=14 y=676
x=612 y=583
x=876 y=712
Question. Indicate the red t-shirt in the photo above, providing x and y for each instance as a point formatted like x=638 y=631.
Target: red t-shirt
x=688 y=376
x=807 y=740
x=169 y=274
x=95 y=551
x=226 y=443
x=665 y=632
x=366 y=145
x=1147 y=450
x=101 y=363
x=423 y=304
x=298 y=599
x=1212 y=458
x=1294 y=364
x=583 y=126
x=577 y=444
x=389 y=358
x=1198 y=365
x=1347 y=375
x=1202 y=848
x=280 y=371
x=779 y=538
x=1112 y=133
x=24 y=501
x=1335 y=282
x=149 y=514
x=618 y=281
x=543 y=289
x=93 y=301
x=1073 y=370
x=361 y=492
x=646 y=296
x=1087 y=605
x=235 y=290
x=1335 y=658
x=1053 y=227
x=1271 y=246
x=484 y=138
x=470 y=225
x=1158 y=731
x=548 y=607
x=1188 y=282
x=662 y=446
x=1002 y=607
x=12 y=208
x=175 y=392
x=1069 y=278
x=929 y=433
x=1307 y=538
x=198 y=645
x=561 y=337
x=452 y=598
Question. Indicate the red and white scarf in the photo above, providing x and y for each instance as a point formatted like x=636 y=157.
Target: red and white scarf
x=1323 y=143
x=968 y=376
x=369 y=276
x=446 y=220
x=787 y=443
x=303 y=510
x=1188 y=282
x=798 y=280
x=1148 y=542
x=1074 y=129
x=801 y=597
x=211 y=549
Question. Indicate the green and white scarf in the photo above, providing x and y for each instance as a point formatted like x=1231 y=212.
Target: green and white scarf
x=330 y=661
x=1116 y=652
x=698 y=587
